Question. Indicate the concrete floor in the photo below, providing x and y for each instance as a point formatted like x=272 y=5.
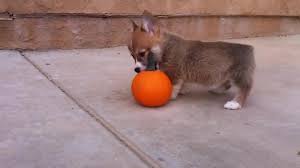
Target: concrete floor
x=73 y=108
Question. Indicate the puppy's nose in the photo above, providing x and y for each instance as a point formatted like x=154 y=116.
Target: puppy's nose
x=137 y=70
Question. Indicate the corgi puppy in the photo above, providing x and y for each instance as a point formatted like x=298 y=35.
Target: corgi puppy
x=217 y=65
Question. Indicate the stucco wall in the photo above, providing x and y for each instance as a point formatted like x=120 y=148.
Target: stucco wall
x=42 y=24
x=162 y=7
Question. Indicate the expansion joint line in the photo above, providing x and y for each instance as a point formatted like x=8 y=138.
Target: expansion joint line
x=92 y=113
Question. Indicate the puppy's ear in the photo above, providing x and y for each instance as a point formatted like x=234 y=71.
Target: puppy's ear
x=134 y=25
x=149 y=21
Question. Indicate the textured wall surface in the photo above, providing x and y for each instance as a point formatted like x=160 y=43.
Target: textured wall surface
x=43 y=24
x=62 y=32
x=169 y=7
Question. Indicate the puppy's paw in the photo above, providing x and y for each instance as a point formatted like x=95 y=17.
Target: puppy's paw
x=174 y=96
x=232 y=105
x=216 y=92
x=219 y=90
x=183 y=91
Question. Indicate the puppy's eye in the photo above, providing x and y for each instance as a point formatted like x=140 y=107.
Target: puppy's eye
x=142 y=54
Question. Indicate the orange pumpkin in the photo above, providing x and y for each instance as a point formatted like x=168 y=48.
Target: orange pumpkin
x=151 y=88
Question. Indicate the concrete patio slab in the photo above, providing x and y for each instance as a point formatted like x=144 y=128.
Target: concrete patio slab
x=42 y=128
x=194 y=130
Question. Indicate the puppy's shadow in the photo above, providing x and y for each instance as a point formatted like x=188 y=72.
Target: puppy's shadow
x=203 y=96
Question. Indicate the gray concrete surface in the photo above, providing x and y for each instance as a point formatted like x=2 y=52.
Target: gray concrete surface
x=42 y=128
x=194 y=131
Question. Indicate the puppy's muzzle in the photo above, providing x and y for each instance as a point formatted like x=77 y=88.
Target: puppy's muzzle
x=139 y=67
x=151 y=64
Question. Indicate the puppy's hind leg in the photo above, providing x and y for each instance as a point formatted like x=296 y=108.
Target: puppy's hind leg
x=244 y=84
x=221 y=89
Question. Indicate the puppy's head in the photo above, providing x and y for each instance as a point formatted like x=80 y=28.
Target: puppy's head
x=144 y=44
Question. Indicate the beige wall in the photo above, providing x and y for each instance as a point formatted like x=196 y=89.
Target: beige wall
x=161 y=7
x=42 y=24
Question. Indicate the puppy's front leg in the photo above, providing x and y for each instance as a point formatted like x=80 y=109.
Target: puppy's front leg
x=176 y=88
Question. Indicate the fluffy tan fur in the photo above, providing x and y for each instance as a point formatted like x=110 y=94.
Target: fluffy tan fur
x=207 y=63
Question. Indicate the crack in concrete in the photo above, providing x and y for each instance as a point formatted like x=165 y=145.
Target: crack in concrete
x=149 y=161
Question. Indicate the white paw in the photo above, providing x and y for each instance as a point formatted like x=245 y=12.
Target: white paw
x=174 y=95
x=176 y=89
x=183 y=91
x=232 y=105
